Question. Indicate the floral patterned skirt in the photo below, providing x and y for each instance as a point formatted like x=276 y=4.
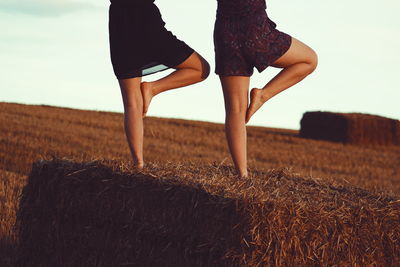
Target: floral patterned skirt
x=242 y=43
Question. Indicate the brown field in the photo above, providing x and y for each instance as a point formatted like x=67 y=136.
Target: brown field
x=29 y=133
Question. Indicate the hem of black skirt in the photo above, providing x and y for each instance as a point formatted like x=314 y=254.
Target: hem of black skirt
x=170 y=65
x=235 y=74
x=130 y=76
x=180 y=59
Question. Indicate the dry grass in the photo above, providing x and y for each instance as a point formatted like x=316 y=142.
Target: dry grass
x=10 y=189
x=29 y=133
x=93 y=214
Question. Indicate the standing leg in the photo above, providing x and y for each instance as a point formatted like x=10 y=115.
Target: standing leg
x=235 y=90
x=193 y=70
x=297 y=63
x=133 y=120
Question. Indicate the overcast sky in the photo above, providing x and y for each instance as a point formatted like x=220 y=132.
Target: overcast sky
x=56 y=52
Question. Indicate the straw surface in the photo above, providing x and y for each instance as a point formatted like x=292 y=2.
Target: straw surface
x=30 y=133
x=101 y=214
x=10 y=190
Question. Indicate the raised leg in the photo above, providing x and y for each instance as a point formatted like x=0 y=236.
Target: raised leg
x=235 y=90
x=297 y=63
x=193 y=70
x=133 y=120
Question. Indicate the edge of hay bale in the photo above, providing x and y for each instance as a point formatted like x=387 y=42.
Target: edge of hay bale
x=81 y=214
x=77 y=214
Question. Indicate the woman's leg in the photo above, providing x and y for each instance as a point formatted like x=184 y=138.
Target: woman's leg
x=235 y=90
x=193 y=70
x=133 y=120
x=298 y=62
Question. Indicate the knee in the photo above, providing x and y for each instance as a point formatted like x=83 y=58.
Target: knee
x=133 y=111
x=202 y=67
x=133 y=106
x=312 y=62
x=236 y=110
x=204 y=70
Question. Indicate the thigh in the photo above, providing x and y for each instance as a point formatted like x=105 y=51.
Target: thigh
x=297 y=53
x=195 y=61
x=236 y=90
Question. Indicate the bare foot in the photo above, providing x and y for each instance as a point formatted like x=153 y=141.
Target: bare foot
x=256 y=101
x=147 y=93
x=139 y=165
x=243 y=174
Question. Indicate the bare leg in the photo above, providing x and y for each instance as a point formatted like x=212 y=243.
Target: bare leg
x=235 y=90
x=133 y=120
x=193 y=70
x=297 y=63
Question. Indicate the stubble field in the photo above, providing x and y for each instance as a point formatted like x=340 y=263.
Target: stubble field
x=29 y=133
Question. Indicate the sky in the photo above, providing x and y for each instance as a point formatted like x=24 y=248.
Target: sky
x=56 y=52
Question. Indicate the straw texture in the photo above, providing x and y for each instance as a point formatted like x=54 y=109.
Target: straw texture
x=101 y=214
x=10 y=190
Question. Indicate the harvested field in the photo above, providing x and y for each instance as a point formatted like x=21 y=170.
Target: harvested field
x=182 y=150
x=29 y=133
x=351 y=128
x=100 y=214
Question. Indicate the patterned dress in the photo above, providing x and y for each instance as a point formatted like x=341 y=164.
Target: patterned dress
x=244 y=38
x=139 y=43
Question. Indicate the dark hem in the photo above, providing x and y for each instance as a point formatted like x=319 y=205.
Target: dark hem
x=134 y=74
x=230 y=75
x=181 y=59
x=276 y=58
x=130 y=76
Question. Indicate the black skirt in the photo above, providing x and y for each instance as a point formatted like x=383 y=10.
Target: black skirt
x=139 y=43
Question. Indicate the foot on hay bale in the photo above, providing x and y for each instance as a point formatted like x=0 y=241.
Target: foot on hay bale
x=350 y=128
x=89 y=214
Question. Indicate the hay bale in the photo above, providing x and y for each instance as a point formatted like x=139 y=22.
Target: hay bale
x=10 y=189
x=351 y=128
x=88 y=214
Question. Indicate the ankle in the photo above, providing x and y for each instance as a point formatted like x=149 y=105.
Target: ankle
x=138 y=163
x=155 y=88
x=265 y=96
x=243 y=174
